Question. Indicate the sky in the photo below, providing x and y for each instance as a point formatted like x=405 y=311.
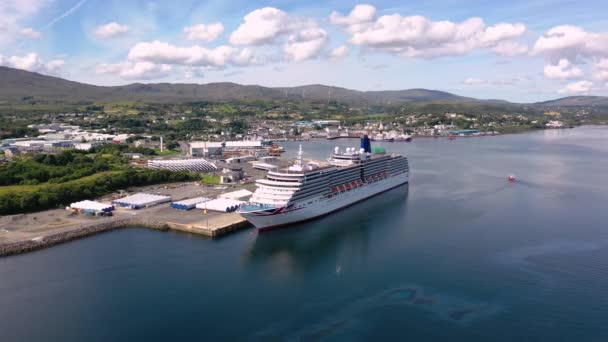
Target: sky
x=516 y=50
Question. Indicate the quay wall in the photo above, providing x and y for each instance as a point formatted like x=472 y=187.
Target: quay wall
x=24 y=246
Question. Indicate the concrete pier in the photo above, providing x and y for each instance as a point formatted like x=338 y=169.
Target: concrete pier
x=17 y=240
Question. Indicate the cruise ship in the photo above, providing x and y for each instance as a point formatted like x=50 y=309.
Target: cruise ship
x=307 y=190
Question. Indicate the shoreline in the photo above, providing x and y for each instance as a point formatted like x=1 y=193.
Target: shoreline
x=467 y=136
x=41 y=242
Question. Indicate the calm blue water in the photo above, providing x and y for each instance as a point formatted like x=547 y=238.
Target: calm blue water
x=460 y=255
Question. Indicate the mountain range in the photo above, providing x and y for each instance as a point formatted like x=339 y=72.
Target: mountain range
x=20 y=86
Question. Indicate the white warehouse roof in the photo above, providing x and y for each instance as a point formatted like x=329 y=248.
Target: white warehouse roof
x=91 y=205
x=252 y=143
x=220 y=204
x=142 y=200
x=200 y=165
x=236 y=194
x=205 y=144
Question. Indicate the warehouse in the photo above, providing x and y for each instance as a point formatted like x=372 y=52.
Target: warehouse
x=189 y=203
x=91 y=206
x=194 y=165
x=223 y=205
x=206 y=148
x=236 y=195
x=141 y=200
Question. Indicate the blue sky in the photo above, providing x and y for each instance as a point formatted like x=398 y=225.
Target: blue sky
x=520 y=51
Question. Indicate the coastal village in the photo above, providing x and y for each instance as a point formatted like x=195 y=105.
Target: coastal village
x=228 y=161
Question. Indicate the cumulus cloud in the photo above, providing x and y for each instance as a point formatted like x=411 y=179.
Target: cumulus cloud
x=580 y=87
x=202 y=32
x=303 y=38
x=135 y=71
x=563 y=70
x=305 y=44
x=110 y=30
x=419 y=37
x=164 y=53
x=571 y=42
x=13 y=13
x=30 y=33
x=600 y=68
x=359 y=18
x=263 y=26
x=339 y=52
x=33 y=62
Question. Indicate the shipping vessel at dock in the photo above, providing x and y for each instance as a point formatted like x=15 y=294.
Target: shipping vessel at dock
x=307 y=190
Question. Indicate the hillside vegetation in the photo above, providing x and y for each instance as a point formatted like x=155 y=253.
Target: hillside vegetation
x=20 y=89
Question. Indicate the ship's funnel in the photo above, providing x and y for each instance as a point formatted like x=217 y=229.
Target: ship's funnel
x=366 y=144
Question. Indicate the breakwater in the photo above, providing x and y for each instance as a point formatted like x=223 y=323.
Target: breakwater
x=23 y=246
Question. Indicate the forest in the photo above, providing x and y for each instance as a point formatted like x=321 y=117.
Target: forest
x=33 y=183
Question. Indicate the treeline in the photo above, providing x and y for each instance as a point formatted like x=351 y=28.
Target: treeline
x=57 y=195
x=63 y=167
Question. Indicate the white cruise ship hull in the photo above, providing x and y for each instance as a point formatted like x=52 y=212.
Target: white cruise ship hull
x=311 y=208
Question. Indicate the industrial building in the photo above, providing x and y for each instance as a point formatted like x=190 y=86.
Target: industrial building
x=91 y=206
x=141 y=200
x=194 y=165
x=188 y=204
x=210 y=148
x=224 y=205
x=237 y=195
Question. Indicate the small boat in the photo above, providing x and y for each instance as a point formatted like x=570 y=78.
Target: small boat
x=511 y=178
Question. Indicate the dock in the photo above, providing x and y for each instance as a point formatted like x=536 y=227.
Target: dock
x=28 y=232
x=214 y=227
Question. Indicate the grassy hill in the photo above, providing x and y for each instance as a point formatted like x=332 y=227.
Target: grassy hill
x=23 y=88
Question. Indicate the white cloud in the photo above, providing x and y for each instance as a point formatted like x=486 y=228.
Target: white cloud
x=54 y=67
x=357 y=20
x=261 y=26
x=510 y=48
x=30 y=33
x=563 y=70
x=302 y=38
x=202 y=32
x=419 y=37
x=579 y=87
x=110 y=30
x=570 y=42
x=135 y=71
x=305 y=44
x=600 y=68
x=339 y=52
x=164 y=53
x=12 y=14
x=473 y=81
x=33 y=62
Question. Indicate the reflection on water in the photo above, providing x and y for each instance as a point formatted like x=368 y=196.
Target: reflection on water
x=459 y=254
x=306 y=245
x=341 y=323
